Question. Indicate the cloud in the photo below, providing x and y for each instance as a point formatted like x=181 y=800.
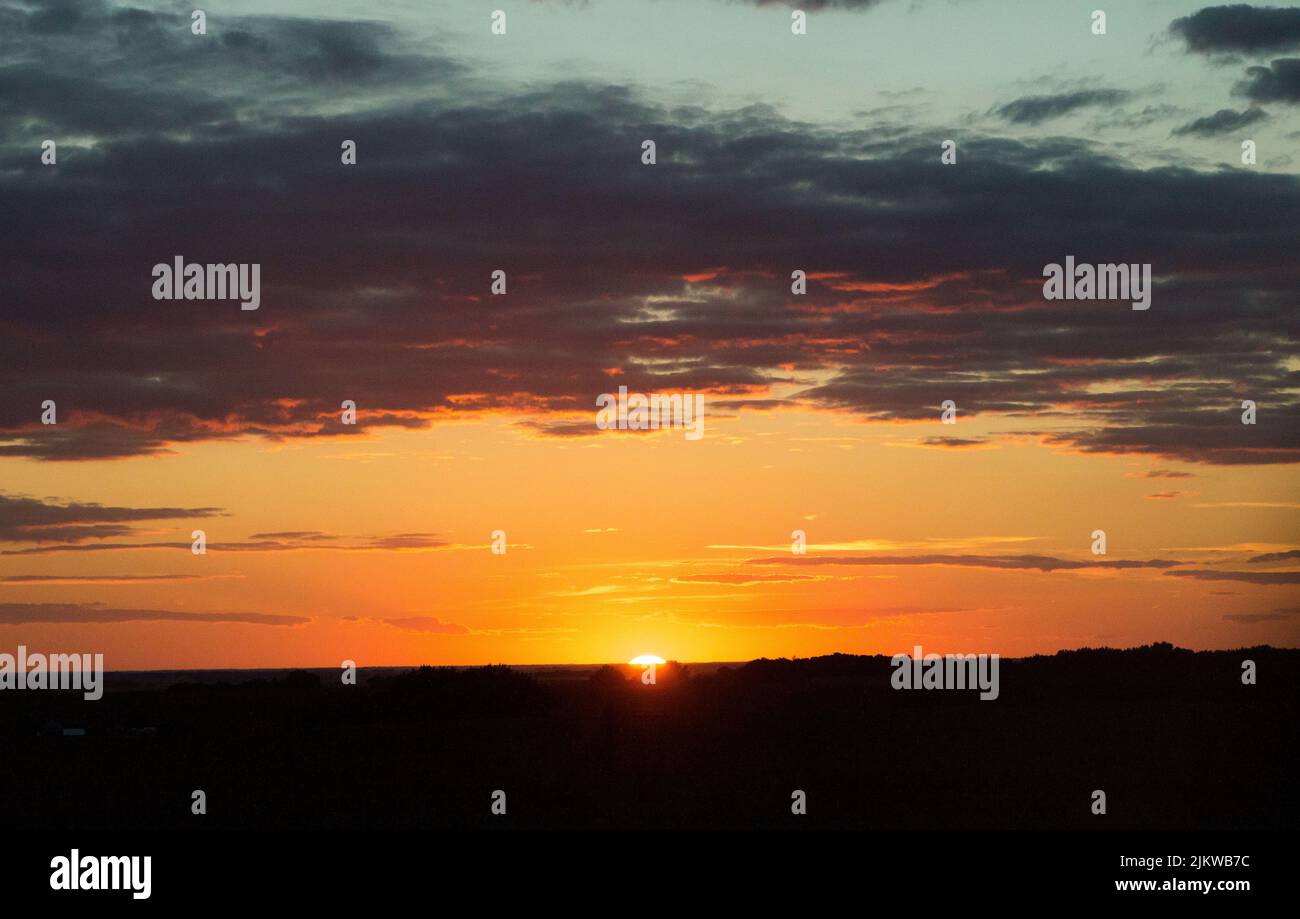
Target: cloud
x=742 y=580
x=877 y=544
x=956 y=443
x=69 y=527
x=455 y=169
x=98 y=579
x=407 y=541
x=808 y=5
x=434 y=626
x=401 y=542
x=1247 y=577
x=428 y=624
x=1239 y=28
x=1189 y=433
x=811 y=5
x=1224 y=121
x=1279 y=614
x=87 y=613
x=832 y=620
x=584 y=428
x=1036 y=109
x=25 y=519
x=1042 y=563
x=1278 y=82
x=1276 y=556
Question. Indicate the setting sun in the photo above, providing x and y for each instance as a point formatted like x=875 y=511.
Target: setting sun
x=643 y=659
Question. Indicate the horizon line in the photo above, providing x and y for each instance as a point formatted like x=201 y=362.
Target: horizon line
x=693 y=662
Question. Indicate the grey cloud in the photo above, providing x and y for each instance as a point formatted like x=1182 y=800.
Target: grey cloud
x=1239 y=28
x=1224 y=121
x=1037 y=109
x=1278 y=82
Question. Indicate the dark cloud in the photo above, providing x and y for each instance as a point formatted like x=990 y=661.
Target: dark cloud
x=95 y=578
x=396 y=543
x=1036 y=109
x=32 y=520
x=1224 y=121
x=87 y=613
x=925 y=280
x=584 y=428
x=68 y=527
x=1278 y=82
x=955 y=443
x=1276 y=556
x=809 y=5
x=1239 y=28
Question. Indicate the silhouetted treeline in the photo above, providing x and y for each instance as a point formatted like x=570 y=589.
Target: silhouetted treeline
x=1173 y=737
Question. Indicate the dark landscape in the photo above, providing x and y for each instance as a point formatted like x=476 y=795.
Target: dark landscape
x=1173 y=737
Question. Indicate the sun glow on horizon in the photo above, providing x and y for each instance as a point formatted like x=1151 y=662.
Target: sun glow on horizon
x=642 y=659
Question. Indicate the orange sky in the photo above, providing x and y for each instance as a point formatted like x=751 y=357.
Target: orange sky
x=626 y=543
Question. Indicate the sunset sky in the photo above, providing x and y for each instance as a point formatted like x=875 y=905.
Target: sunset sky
x=476 y=413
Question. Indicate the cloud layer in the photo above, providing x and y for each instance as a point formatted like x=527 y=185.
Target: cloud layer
x=925 y=280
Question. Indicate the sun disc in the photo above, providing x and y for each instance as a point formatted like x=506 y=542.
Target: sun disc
x=643 y=659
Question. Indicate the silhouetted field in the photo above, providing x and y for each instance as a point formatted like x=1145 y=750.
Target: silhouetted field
x=1173 y=738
